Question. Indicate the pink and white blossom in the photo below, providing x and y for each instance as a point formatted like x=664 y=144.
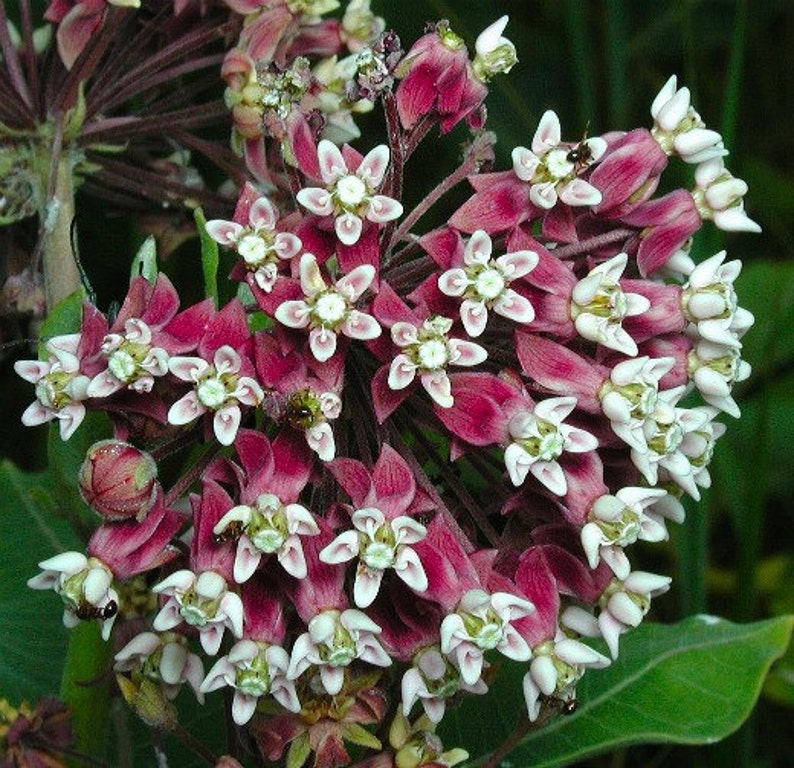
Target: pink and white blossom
x=480 y=623
x=538 y=438
x=719 y=197
x=555 y=669
x=85 y=586
x=60 y=386
x=349 y=194
x=259 y=244
x=268 y=527
x=218 y=388
x=599 y=305
x=327 y=310
x=164 y=657
x=679 y=129
x=333 y=641
x=426 y=352
x=553 y=169
x=202 y=600
x=483 y=283
x=493 y=53
x=379 y=544
x=253 y=669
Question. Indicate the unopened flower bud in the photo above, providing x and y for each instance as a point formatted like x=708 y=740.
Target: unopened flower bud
x=148 y=701
x=118 y=481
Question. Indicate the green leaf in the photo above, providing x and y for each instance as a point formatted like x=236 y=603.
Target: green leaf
x=32 y=636
x=145 y=261
x=65 y=317
x=689 y=683
x=209 y=257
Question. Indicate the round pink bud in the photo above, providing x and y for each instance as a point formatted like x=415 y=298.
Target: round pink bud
x=118 y=481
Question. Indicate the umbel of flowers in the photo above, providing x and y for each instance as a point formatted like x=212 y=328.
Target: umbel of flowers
x=555 y=337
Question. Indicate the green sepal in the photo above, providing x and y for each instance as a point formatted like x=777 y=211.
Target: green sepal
x=210 y=258
x=145 y=262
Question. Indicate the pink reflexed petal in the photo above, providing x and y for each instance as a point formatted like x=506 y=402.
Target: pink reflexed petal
x=226 y=423
x=185 y=410
x=479 y=248
x=224 y=232
x=316 y=200
x=465 y=353
x=332 y=164
x=543 y=195
x=187 y=368
x=579 y=192
x=31 y=370
x=550 y=474
x=332 y=678
x=246 y=561
x=409 y=568
x=248 y=391
x=287 y=245
x=514 y=307
x=353 y=284
x=517 y=264
x=262 y=214
x=322 y=343
x=348 y=228
x=517 y=463
x=474 y=316
x=548 y=133
x=438 y=386
x=343 y=548
x=373 y=166
x=382 y=209
x=579 y=441
x=36 y=414
x=293 y=314
x=320 y=439
x=292 y=559
x=360 y=325
x=104 y=385
x=402 y=372
x=366 y=586
x=243 y=707
x=453 y=282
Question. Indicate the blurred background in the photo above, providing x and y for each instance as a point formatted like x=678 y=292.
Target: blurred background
x=598 y=64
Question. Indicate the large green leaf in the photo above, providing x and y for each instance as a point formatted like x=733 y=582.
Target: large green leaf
x=32 y=637
x=689 y=683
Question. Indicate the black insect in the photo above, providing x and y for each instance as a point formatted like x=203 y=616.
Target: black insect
x=580 y=155
x=569 y=707
x=230 y=533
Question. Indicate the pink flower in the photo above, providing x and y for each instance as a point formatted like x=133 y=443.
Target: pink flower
x=258 y=244
x=328 y=311
x=553 y=169
x=484 y=282
x=349 y=193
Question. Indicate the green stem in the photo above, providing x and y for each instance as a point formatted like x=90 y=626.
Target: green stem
x=85 y=687
x=61 y=274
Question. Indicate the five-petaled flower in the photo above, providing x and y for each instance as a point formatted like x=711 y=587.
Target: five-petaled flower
x=484 y=282
x=349 y=193
x=218 y=387
x=328 y=310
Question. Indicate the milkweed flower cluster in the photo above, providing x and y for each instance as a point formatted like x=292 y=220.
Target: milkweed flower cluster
x=555 y=337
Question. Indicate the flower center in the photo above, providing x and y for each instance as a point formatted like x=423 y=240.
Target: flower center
x=212 y=392
x=254 y=677
x=432 y=354
x=558 y=165
x=122 y=365
x=489 y=284
x=253 y=249
x=378 y=555
x=330 y=308
x=351 y=191
x=51 y=389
